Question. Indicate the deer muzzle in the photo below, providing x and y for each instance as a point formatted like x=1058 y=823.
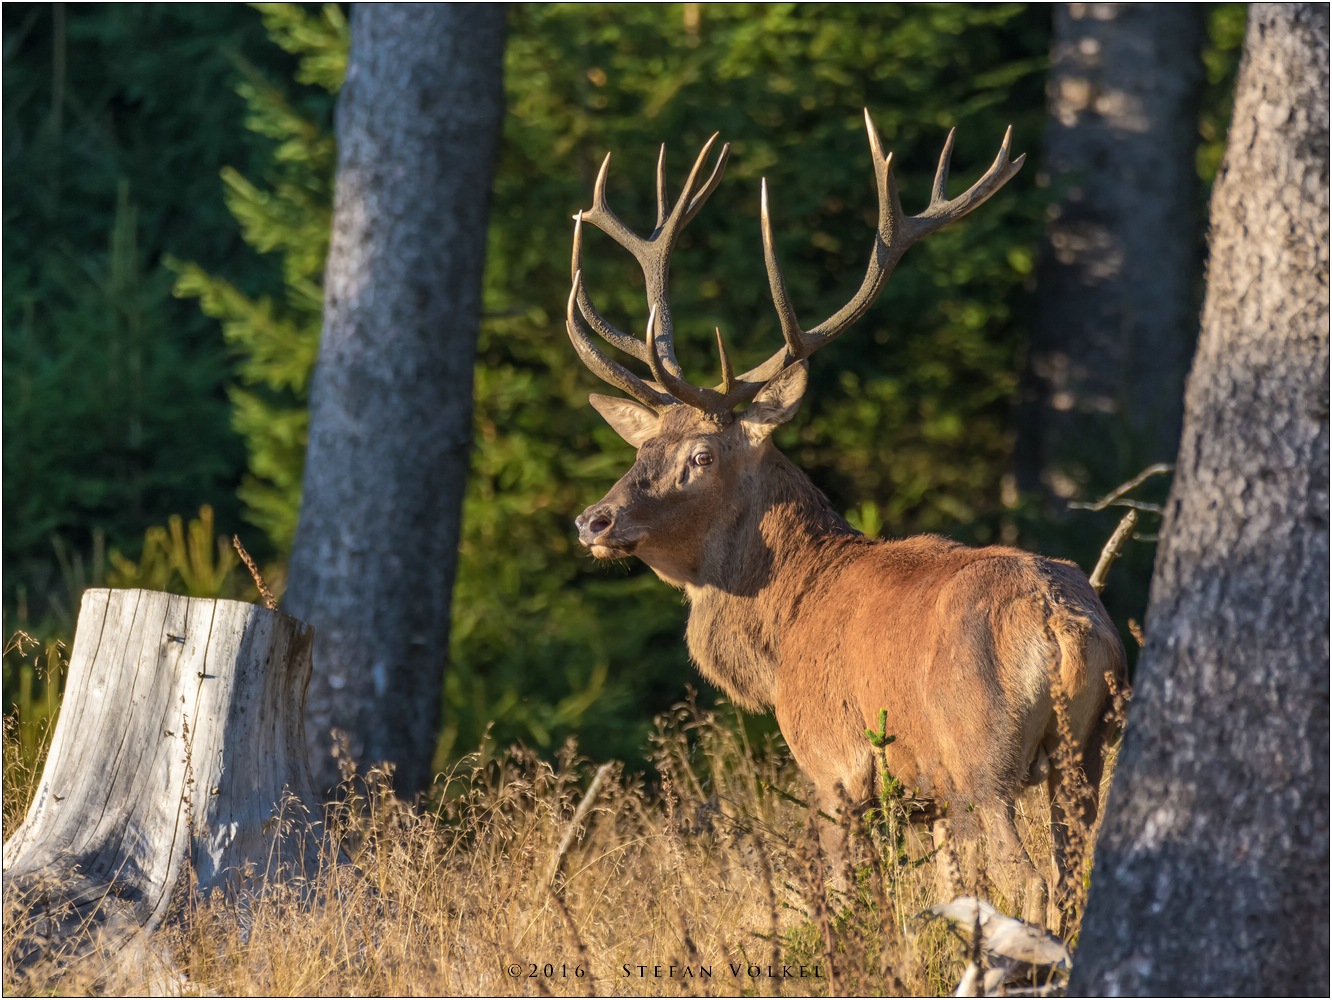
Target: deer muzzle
x=601 y=530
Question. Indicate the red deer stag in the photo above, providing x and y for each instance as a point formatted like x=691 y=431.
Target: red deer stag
x=790 y=609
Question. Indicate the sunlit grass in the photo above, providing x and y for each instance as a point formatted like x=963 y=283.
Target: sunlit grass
x=34 y=672
x=706 y=879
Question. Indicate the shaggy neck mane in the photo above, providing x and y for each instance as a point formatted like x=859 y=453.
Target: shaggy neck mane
x=756 y=570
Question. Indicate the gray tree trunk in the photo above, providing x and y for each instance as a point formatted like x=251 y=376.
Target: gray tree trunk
x=179 y=740
x=1212 y=869
x=418 y=123
x=1117 y=296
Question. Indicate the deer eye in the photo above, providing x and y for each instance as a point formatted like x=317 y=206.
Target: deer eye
x=700 y=458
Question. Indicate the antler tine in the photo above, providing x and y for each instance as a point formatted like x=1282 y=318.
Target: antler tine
x=601 y=216
x=896 y=234
x=696 y=201
x=663 y=202
x=941 y=212
x=656 y=248
x=776 y=282
x=609 y=371
x=612 y=335
x=939 y=193
x=679 y=387
x=890 y=203
x=728 y=374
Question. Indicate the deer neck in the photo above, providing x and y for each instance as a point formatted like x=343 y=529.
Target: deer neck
x=755 y=570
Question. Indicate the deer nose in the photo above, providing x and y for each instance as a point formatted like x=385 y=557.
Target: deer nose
x=593 y=523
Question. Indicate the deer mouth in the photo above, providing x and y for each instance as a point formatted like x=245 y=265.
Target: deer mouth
x=611 y=551
x=616 y=544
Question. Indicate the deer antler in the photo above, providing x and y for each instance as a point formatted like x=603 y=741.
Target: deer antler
x=895 y=235
x=653 y=254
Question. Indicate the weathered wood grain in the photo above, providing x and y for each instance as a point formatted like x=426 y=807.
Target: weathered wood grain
x=179 y=749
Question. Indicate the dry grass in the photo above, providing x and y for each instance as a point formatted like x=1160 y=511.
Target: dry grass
x=38 y=669
x=709 y=882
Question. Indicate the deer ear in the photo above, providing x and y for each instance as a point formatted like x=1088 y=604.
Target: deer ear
x=632 y=421
x=776 y=403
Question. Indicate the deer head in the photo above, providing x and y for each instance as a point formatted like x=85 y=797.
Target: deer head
x=703 y=453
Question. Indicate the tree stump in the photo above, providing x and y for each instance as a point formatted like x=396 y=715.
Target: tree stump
x=179 y=751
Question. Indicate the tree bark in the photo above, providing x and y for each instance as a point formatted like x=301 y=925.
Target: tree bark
x=1117 y=291
x=180 y=738
x=418 y=123
x=1212 y=869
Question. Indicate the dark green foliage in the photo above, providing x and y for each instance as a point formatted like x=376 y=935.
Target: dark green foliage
x=111 y=419
x=288 y=213
x=115 y=117
x=1221 y=52
x=99 y=452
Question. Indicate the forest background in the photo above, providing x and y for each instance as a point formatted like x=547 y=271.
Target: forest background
x=168 y=177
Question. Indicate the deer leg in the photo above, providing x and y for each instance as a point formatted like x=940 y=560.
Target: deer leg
x=842 y=797
x=1010 y=858
x=840 y=810
x=959 y=859
x=836 y=849
x=945 y=860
